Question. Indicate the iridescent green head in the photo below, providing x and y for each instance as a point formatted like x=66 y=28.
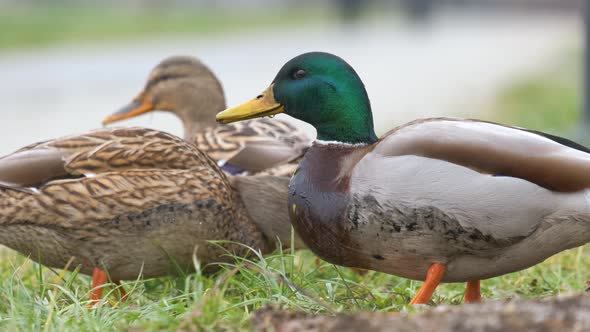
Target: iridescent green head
x=320 y=89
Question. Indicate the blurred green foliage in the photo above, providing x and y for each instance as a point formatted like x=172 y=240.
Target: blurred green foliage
x=550 y=101
x=71 y=22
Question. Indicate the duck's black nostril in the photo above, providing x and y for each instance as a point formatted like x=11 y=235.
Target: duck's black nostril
x=259 y=96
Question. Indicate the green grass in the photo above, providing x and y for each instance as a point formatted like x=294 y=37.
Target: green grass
x=33 y=297
x=45 y=25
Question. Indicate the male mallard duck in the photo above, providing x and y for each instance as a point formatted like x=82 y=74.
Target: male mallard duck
x=133 y=201
x=186 y=87
x=440 y=200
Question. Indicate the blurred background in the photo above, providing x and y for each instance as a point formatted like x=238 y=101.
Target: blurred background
x=65 y=65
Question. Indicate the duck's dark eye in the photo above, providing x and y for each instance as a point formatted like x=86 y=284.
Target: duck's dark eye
x=299 y=74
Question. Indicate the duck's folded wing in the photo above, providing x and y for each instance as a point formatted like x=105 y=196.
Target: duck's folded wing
x=31 y=168
x=100 y=151
x=262 y=155
x=548 y=161
x=254 y=145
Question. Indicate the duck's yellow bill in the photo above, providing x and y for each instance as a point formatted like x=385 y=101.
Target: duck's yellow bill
x=133 y=109
x=263 y=105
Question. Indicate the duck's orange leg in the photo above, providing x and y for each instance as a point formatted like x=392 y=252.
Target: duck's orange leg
x=99 y=279
x=122 y=291
x=472 y=292
x=433 y=277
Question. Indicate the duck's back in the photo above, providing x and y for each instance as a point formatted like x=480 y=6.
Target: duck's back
x=549 y=161
x=253 y=146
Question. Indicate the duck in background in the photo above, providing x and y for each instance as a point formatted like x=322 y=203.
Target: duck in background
x=438 y=199
x=185 y=87
x=128 y=202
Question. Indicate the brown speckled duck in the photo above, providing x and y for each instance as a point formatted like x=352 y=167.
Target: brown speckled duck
x=439 y=200
x=131 y=201
x=184 y=86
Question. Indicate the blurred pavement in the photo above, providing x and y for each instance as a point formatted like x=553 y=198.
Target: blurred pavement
x=454 y=66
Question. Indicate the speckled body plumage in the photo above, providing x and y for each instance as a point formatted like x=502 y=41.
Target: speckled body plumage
x=130 y=201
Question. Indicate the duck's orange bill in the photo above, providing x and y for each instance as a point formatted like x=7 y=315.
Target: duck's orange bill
x=433 y=277
x=263 y=105
x=133 y=109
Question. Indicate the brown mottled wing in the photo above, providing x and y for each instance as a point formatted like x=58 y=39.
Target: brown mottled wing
x=253 y=145
x=97 y=152
x=493 y=149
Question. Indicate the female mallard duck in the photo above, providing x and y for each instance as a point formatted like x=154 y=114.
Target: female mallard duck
x=186 y=87
x=133 y=201
x=440 y=200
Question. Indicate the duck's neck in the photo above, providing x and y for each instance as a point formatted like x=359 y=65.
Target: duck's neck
x=196 y=121
x=329 y=165
x=192 y=128
x=347 y=118
x=347 y=133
